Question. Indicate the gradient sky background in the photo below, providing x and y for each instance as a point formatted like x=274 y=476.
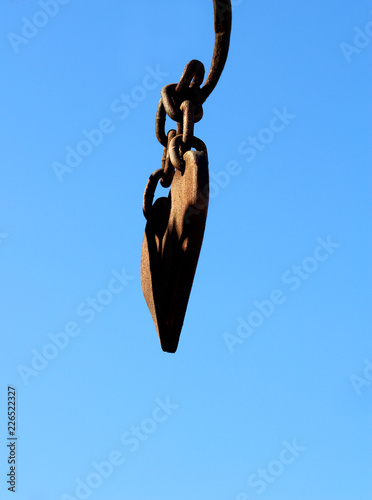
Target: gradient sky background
x=301 y=377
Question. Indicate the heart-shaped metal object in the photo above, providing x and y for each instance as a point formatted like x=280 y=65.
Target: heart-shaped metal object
x=171 y=246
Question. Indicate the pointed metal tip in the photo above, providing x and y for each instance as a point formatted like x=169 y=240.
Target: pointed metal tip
x=171 y=350
x=169 y=341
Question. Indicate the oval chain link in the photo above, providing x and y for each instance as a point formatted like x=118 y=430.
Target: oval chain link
x=183 y=103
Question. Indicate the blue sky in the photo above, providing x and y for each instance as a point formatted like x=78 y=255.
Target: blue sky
x=268 y=395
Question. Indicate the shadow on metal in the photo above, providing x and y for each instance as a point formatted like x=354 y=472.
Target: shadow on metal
x=171 y=246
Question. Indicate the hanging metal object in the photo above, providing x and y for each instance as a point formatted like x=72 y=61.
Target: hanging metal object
x=175 y=224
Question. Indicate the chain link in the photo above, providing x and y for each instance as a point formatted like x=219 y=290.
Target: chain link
x=167 y=166
x=176 y=146
x=183 y=103
x=149 y=193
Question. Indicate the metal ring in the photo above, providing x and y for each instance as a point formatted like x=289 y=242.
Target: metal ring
x=149 y=193
x=168 y=168
x=194 y=72
x=172 y=101
x=160 y=124
x=174 y=146
x=187 y=108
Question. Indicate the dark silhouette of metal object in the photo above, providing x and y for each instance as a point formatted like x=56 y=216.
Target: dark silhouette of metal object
x=175 y=225
x=171 y=246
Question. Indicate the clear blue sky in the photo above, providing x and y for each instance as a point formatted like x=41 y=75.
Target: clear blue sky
x=269 y=393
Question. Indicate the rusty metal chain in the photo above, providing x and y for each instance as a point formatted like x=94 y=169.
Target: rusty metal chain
x=175 y=223
x=183 y=103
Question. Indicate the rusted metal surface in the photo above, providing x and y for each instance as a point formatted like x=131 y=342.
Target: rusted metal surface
x=171 y=246
x=176 y=145
x=187 y=108
x=175 y=224
x=222 y=30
